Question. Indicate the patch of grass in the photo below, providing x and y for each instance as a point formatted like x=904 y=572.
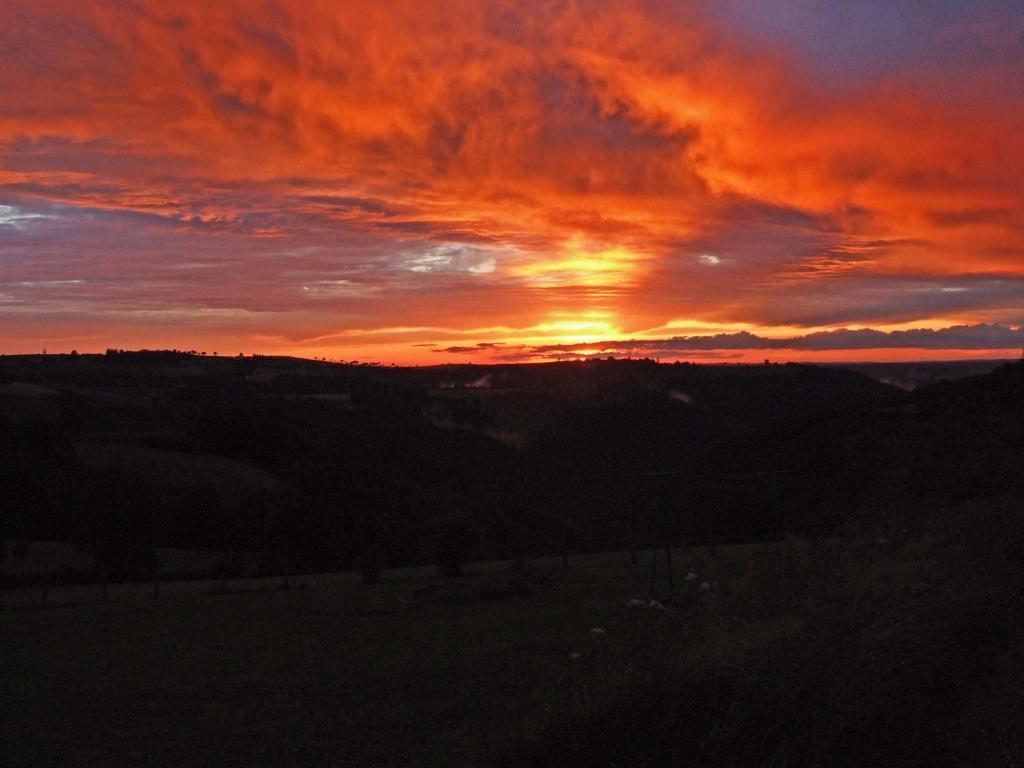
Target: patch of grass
x=841 y=652
x=850 y=698
x=889 y=648
x=234 y=480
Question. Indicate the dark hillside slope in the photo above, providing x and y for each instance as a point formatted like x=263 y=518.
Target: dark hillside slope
x=950 y=441
x=320 y=461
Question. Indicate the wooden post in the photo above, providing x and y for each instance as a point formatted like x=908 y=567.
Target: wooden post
x=156 y=574
x=631 y=533
x=709 y=530
x=286 y=581
x=668 y=561
x=670 y=530
x=224 y=571
x=654 y=570
x=45 y=571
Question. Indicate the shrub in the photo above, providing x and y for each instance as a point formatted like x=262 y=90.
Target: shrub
x=370 y=563
x=456 y=539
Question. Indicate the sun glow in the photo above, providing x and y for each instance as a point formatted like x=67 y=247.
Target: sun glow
x=584 y=331
x=582 y=265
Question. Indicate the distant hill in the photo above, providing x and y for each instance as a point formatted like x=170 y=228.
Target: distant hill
x=321 y=462
x=913 y=375
x=953 y=440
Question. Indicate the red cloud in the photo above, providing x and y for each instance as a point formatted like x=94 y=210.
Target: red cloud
x=593 y=151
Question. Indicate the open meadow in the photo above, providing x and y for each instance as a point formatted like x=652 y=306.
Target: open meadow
x=799 y=652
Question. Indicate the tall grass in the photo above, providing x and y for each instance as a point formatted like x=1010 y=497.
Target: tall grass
x=895 y=641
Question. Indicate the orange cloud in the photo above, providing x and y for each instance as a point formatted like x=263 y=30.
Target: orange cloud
x=326 y=166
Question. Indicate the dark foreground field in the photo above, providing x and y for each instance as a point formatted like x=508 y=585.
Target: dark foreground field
x=888 y=647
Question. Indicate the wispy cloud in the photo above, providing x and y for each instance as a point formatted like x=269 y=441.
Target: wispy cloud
x=964 y=337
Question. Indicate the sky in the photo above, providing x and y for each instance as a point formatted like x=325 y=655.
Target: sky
x=487 y=181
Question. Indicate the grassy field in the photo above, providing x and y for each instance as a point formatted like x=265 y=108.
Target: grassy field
x=502 y=665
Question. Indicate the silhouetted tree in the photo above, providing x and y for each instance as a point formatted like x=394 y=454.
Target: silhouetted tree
x=455 y=537
x=117 y=526
x=370 y=562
